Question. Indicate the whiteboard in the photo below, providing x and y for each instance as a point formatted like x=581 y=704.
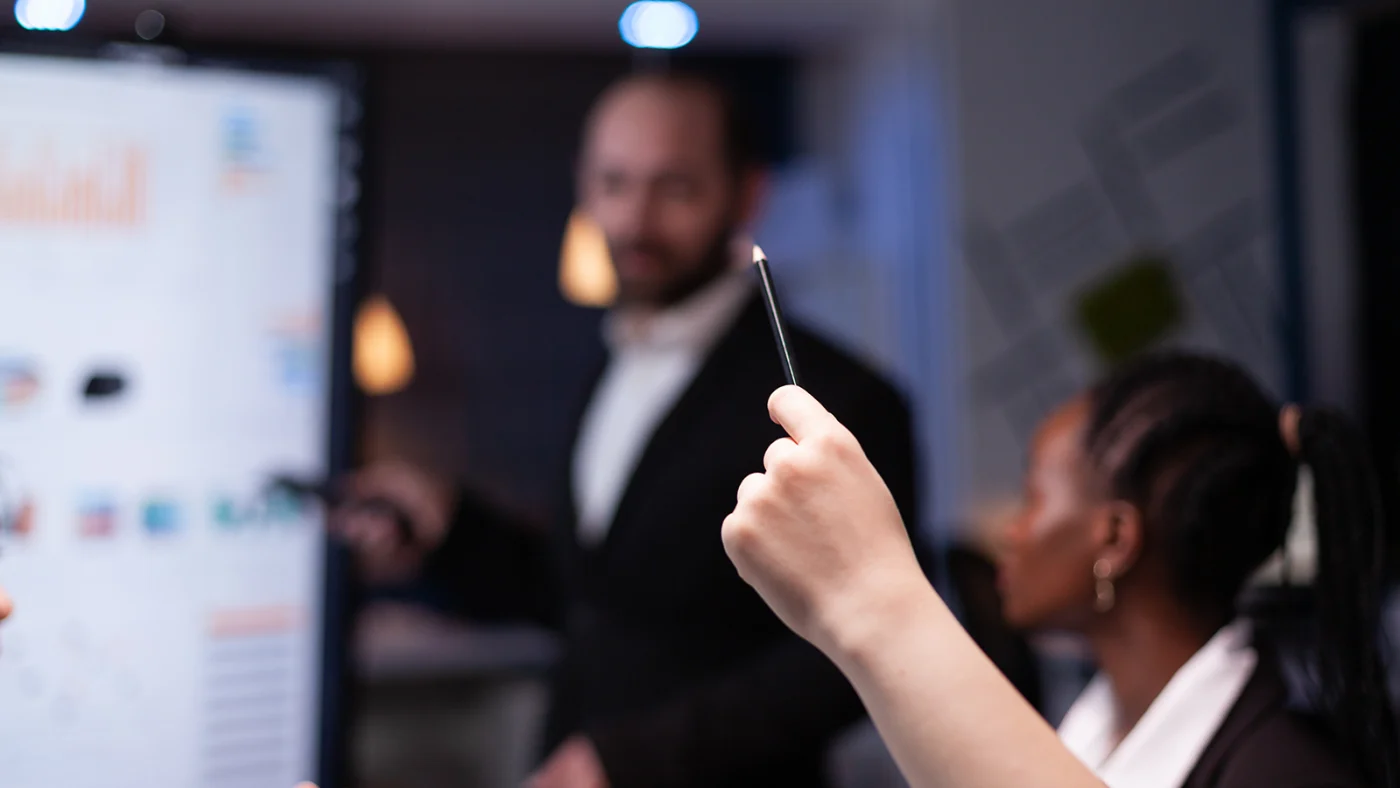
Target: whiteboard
x=167 y=247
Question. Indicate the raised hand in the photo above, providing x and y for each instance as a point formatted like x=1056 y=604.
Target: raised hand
x=818 y=533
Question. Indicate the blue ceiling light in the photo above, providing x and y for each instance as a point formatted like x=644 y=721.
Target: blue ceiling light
x=668 y=24
x=49 y=14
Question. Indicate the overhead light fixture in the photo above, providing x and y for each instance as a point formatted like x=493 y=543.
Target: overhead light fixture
x=668 y=24
x=383 y=355
x=49 y=14
x=586 y=274
x=150 y=24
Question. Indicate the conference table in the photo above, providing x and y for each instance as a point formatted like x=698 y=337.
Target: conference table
x=443 y=702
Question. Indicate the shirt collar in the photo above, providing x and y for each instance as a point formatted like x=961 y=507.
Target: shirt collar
x=1163 y=747
x=694 y=323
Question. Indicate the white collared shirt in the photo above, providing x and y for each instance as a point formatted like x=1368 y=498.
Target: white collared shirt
x=654 y=357
x=1164 y=746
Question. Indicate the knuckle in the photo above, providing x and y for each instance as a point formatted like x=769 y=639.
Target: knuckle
x=827 y=441
x=784 y=465
x=799 y=468
x=785 y=481
x=738 y=532
x=757 y=497
x=838 y=443
x=747 y=487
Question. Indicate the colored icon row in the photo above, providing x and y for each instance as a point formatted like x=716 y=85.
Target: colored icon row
x=99 y=516
x=231 y=513
x=20 y=384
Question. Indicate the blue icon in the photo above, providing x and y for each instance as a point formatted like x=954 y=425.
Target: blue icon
x=160 y=517
x=241 y=143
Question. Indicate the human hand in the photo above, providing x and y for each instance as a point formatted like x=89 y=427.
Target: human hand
x=575 y=764
x=370 y=529
x=818 y=534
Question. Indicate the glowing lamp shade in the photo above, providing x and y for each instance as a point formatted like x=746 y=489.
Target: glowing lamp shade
x=49 y=14
x=658 y=25
x=383 y=356
x=586 y=275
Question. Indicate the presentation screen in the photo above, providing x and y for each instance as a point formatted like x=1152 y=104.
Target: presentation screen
x=167 y=249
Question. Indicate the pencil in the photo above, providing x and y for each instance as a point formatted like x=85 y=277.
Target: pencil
x=775 y=316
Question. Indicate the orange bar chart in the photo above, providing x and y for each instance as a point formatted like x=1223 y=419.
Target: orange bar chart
x=107 y=190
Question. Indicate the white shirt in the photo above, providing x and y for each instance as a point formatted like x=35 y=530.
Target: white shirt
x=1164 y=746
x=654 y=357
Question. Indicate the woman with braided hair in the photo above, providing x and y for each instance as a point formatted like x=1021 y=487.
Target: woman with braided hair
x=1150 y=502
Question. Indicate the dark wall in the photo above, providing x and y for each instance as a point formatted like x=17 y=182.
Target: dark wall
x=1376 y=167
x=468 y=188
x=468 y=184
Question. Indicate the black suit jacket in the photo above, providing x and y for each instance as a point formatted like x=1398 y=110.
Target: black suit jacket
x=674 y=667
x=1263 y=743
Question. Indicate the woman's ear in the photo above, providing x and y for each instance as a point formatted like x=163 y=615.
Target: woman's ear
x=1118 y=532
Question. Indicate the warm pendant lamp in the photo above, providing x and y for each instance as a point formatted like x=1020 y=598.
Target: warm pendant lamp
x=586 y=275
x=383 y=360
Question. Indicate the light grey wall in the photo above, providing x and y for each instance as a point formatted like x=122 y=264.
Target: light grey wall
x=1089 y=130
x=973 y=165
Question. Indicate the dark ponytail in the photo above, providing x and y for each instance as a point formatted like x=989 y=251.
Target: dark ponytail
x=1350 y=673
x=1196 y=445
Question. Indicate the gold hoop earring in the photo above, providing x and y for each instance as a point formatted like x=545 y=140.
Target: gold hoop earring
x=1104 y=594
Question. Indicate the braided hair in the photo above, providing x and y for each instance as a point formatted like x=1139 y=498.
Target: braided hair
x=1195 y=444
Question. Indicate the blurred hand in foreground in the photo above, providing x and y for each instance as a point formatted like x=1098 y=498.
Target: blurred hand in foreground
x=366 y=519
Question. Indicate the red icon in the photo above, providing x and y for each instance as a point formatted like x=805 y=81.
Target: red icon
x=97 y=518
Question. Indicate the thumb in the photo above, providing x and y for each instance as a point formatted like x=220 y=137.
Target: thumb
x=798 y=412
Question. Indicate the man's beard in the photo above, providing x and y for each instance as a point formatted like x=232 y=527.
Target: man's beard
x=713 y=263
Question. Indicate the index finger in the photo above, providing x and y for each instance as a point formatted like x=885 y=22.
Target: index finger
x=798 y=412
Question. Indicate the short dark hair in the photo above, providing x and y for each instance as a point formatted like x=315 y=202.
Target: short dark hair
x=737 y=132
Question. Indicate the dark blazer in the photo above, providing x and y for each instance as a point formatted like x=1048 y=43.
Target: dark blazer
x=671 y=665
x=1265 y=744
